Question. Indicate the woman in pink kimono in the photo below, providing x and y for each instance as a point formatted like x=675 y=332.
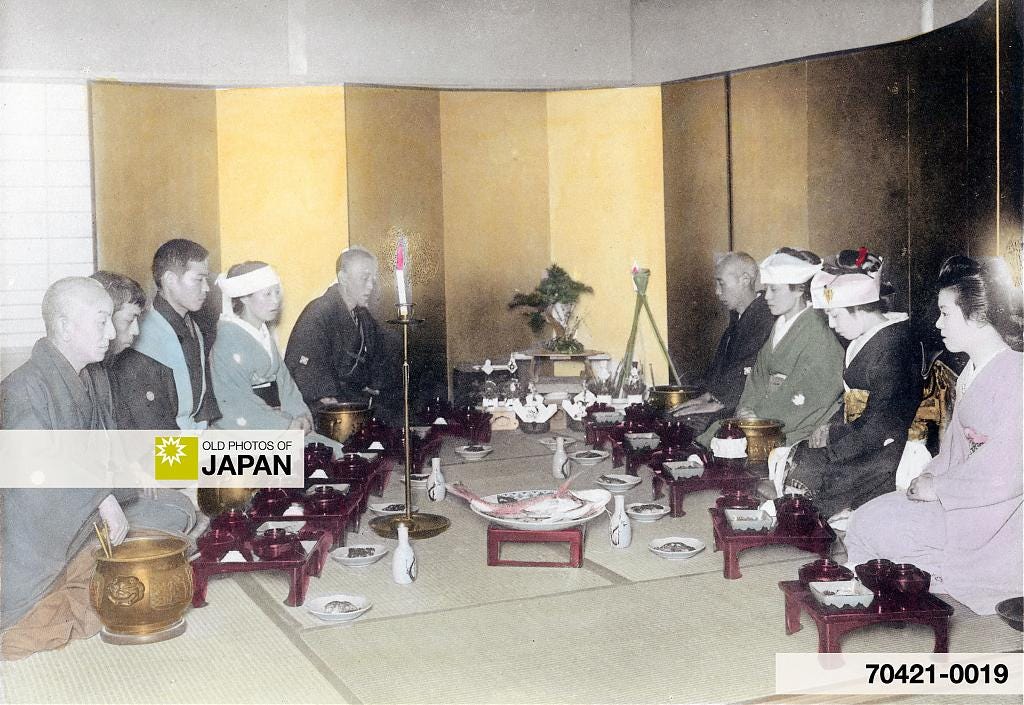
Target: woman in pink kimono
x=961 y=518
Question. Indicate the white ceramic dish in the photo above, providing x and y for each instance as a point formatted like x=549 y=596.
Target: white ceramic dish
x=842 y=594
x=386 y=508
x=552 y=441
x=368 y=455
x=359 y=554
x=555 y=397
x=317 y=607
x=646 y=512
x=670 y=549
x=749 y=519
x=342 y=487
x=620 y=404
x=471 y=453
x=606 y=416
x=589 y=457
x=617 y=484
x=420 y=431
x=417 y=479
x=682 y=469
x=643 y=441
x=598 y=499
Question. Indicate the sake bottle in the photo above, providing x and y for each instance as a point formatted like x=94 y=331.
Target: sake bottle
x=403 y=561
x=435 y=482
x=560 y=461
x=620 y=530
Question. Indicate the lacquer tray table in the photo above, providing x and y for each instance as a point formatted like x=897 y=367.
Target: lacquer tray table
x=713 y=478
x=336 y=524
x=731 y=542
x=497 y=535
x=834 y=623
x=299 y=564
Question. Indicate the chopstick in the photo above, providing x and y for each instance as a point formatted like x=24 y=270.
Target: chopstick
x=104 y=537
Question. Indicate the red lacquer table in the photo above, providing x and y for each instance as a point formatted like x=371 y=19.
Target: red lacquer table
x=713 y=479
x=834 y=623
x=299 y=564
x=731 y=543
x=497 y=535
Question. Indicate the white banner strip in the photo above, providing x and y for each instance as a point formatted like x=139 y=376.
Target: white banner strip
x=899 y=673
x=91 y=459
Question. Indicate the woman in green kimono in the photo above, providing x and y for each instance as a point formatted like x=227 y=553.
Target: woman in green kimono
x=798 y=376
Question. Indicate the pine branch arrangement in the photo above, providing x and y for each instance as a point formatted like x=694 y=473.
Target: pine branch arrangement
x=553 y=302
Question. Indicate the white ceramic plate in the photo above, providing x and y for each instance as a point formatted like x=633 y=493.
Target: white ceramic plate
x=682 y=469
x=667 y=547
x=555 y=397
x=469 y=453
x=598 y=498
x=391 y=508
x=617 y=484
x=552 y=441
x=643 y=441
x=842 y=594
x=417 y=479
x=589 y=457
x=749 y=519
x=359 y=554
x=317 y=607
x=342 y=487
x=646 y=512
x=606 y=416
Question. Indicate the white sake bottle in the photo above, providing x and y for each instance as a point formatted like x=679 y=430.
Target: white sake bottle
x=403 y=561
x=436 y=490
x=620 y=530
x=560 y=461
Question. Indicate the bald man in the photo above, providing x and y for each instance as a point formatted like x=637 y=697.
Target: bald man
x=46 y=566
x=337 y=351
x=750 y=324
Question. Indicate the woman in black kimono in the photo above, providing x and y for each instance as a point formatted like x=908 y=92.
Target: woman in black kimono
x=854 y=457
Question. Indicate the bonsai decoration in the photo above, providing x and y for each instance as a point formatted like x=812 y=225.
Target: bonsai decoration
x=554 y=302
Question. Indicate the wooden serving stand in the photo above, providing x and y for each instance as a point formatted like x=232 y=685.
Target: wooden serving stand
x=713 y=478
x=833 y=622
x=337 y=524
x=299 y=565
x=731 y=542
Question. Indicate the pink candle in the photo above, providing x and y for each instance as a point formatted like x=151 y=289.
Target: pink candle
x=400 y=273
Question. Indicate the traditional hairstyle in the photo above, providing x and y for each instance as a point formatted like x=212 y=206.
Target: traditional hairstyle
x=123 y=290
x=353 y=254
x=806 y=256
x=175 y=256
x=239 y=269
x=62 y=296
x=985 y=293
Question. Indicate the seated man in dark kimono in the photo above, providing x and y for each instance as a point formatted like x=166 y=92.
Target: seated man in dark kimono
x=750 y=323
x=853 y=458
x=46 y=567
x=129 y=301
x=164 y=381
x=337 y=351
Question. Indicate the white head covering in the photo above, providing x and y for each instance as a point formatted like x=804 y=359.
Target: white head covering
x=830 y=290
x=243 y=285
x=784 y=268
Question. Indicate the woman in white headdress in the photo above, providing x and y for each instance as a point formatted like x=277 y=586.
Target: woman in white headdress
x=798 y=376
x=253 y=387
x=853 y=458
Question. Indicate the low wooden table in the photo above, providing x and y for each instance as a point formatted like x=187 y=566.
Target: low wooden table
x=300 y=566
x=497 y=535
x=731 y=543
x=712 y=479
x=834 y=623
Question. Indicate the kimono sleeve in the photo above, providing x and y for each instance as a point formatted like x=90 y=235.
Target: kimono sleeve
x=757 y=381
x=989 y=475
x=232 y=381
x=893 y=396
x=23 y=404
x=309 y=357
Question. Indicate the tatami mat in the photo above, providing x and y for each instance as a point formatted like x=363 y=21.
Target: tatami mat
x=223 y=657
x=686 y=639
